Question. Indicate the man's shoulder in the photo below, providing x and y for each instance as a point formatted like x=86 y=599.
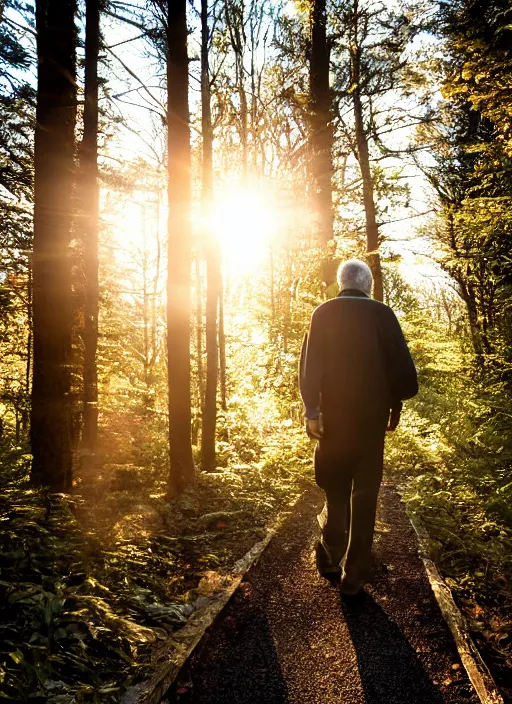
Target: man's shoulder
x=335 y=304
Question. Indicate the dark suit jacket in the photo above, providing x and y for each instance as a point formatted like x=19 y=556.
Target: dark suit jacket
x=355 y=362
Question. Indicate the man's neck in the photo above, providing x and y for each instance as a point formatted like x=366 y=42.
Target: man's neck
x=353 y=292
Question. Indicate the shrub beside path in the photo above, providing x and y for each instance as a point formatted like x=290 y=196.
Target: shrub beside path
x=287 y=636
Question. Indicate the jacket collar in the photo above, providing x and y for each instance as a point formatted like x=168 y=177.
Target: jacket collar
x=352 y=292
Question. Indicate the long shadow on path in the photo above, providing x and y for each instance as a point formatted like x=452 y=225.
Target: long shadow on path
x=242 y=664
x=389 y=667
x=287 y=637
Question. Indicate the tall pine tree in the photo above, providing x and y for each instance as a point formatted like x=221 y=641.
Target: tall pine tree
x=51 y=434
x=179 y=243
x=89 y=204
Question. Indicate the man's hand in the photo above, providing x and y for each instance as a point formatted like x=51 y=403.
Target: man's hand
x=394 y=417
x=315 y=428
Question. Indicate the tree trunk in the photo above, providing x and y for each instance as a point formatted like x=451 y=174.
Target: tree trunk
x=90 y=209
x=155 y=298
x=213 y=271
x=179 y=236
x=254 y=102
x=54 y=165
x=222 y=351
x=235 y=22
x=321 y=132
x=475 y=317
x=212 y=362
x=28 y=368
x=272 y=325
x=363 y=157
x=145 y=306
x=199 y=332
x=474 y=325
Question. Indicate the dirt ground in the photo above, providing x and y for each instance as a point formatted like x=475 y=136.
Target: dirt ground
x=289 y=636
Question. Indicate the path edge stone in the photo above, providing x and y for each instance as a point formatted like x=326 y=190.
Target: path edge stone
x=477 y=671
x=169 y=658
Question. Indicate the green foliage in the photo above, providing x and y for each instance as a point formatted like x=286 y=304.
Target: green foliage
x=452 y=454
x=17 y=122
x=473 y=176
x=90 y=583
x=480 y=43
x=55 y=633
x=17 y=106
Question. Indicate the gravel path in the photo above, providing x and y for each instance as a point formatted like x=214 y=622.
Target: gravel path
x=288 y=636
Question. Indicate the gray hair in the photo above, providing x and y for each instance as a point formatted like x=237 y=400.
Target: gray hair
x=355 y=274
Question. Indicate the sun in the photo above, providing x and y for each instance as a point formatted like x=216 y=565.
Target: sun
x=244 y=222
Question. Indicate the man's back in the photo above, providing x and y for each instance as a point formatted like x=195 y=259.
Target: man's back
x=356 y=357
x=355 y=366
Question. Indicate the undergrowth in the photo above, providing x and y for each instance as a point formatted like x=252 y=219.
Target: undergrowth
x=453 y=454
x=89 y=582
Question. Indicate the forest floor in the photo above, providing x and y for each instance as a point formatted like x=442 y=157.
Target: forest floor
x=288 y=635
x=91 y=582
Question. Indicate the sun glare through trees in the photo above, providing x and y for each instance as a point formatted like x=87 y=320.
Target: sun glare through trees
x=245 y=223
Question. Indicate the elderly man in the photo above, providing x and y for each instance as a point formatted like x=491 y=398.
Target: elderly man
x=355 y=369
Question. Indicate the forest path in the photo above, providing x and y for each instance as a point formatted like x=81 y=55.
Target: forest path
x=288 y=636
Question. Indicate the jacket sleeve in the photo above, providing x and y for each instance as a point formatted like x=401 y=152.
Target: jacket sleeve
x=403 y=378
x=311 y=365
